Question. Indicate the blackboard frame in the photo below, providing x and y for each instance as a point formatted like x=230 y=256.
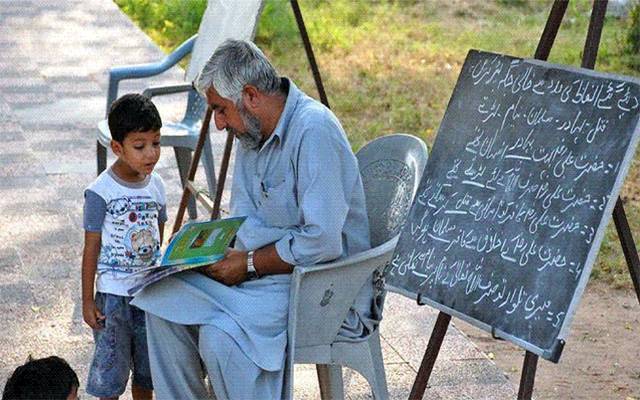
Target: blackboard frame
x=553 y=352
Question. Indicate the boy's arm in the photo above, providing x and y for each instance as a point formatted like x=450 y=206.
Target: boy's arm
x=91 y=314
x=161 y=229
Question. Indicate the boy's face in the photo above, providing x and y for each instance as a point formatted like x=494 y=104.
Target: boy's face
x=139 y=151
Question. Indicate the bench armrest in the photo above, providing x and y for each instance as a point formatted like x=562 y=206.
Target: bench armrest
x=153 y=91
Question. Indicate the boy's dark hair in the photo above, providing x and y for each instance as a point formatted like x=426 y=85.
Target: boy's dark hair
x=44 y=378
x=132 y=112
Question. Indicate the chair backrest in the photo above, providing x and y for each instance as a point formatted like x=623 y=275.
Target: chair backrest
x=223 y=19
x=391 y=168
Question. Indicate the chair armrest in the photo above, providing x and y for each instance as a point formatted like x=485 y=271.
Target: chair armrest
x=117 y=74
x=153 y=91
x=321 y=295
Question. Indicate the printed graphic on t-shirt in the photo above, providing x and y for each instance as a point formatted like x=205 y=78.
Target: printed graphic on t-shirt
x=133 y=237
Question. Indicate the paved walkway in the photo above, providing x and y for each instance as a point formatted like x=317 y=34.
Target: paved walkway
x=53 y=62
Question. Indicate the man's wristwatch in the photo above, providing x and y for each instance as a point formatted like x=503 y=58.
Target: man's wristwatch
x=251 y=269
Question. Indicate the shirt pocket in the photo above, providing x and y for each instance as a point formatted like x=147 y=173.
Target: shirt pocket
x=278 y=204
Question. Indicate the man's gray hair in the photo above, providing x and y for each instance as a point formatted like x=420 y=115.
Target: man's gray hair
x=235 y=64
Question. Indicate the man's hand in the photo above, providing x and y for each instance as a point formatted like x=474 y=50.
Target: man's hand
x=231 y=270
x=92 y=315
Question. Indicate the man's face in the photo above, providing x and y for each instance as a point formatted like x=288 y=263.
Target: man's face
x=235 y=119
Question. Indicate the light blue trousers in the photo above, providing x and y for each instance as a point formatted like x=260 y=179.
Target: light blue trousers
x=177 y=354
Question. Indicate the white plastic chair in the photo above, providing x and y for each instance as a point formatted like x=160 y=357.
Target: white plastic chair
x=391 y=168
x=221 y=20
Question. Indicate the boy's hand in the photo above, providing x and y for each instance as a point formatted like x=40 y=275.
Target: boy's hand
x=92 y=315
x=231 y=270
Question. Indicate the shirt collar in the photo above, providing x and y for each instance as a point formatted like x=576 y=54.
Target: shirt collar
x=289 y=107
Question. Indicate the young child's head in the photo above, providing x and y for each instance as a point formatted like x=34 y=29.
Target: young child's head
x=44 y=378
x=135 y=125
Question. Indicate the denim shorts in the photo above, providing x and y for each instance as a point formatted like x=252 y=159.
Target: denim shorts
x=121 y=347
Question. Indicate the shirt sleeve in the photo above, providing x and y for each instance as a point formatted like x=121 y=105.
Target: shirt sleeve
x=327 y=173
x=94 y=211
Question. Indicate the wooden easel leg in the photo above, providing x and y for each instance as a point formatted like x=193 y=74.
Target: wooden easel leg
x=430 y=355
x=594 y=32
x=551 y=29
x=184 y=160
x=215 y=214
x=628 y=245
x=309 y=50
x=186 y=194
x=528 y=376
x=590 y=54
x=101 y=157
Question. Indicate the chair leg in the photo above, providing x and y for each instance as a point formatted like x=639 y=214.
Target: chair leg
x=366 y=359
x=330 y=380
x=209 y=170
x=101 y=157
x=183 y=158
x=379 y=387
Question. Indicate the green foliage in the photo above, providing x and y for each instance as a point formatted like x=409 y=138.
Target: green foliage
x=633 y=33
x=632 y=48
x=277 y=28
x=513 y=3
x=168 y=22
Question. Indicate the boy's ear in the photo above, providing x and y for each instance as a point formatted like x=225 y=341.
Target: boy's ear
x=116 y=147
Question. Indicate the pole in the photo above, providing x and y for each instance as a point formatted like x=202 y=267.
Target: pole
x=309 y=50
x=430 y=356
x=528 y=376
x=215 y=214
x=186 y=194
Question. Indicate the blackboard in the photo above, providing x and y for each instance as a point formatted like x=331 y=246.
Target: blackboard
x=520 y=185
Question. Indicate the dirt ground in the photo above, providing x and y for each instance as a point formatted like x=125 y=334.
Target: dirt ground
x=601 y=359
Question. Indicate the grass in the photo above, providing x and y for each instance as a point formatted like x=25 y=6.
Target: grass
x=390 y=66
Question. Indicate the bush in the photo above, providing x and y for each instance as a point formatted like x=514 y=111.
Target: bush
x=633 y=33
x=277 y=28
x=632 y=38
x=168 y=22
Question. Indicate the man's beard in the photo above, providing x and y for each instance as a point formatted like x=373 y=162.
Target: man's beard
x=251 y=137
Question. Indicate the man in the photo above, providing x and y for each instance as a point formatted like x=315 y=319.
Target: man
x=297 y=181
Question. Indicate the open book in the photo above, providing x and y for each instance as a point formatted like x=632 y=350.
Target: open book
x=195 y=245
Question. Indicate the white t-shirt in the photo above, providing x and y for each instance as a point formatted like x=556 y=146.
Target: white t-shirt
x=127 y=215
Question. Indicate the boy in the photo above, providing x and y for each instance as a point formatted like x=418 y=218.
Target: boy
x=46 y=378
x=124 y=216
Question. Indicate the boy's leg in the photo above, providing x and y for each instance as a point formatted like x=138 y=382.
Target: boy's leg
x=141 y=385
x=111 y=364
x=175 y=363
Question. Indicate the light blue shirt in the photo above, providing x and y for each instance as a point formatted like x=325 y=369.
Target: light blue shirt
x=302 y=189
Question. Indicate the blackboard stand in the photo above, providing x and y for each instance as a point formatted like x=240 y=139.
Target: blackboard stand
x=590 y=52
x=430 y=355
